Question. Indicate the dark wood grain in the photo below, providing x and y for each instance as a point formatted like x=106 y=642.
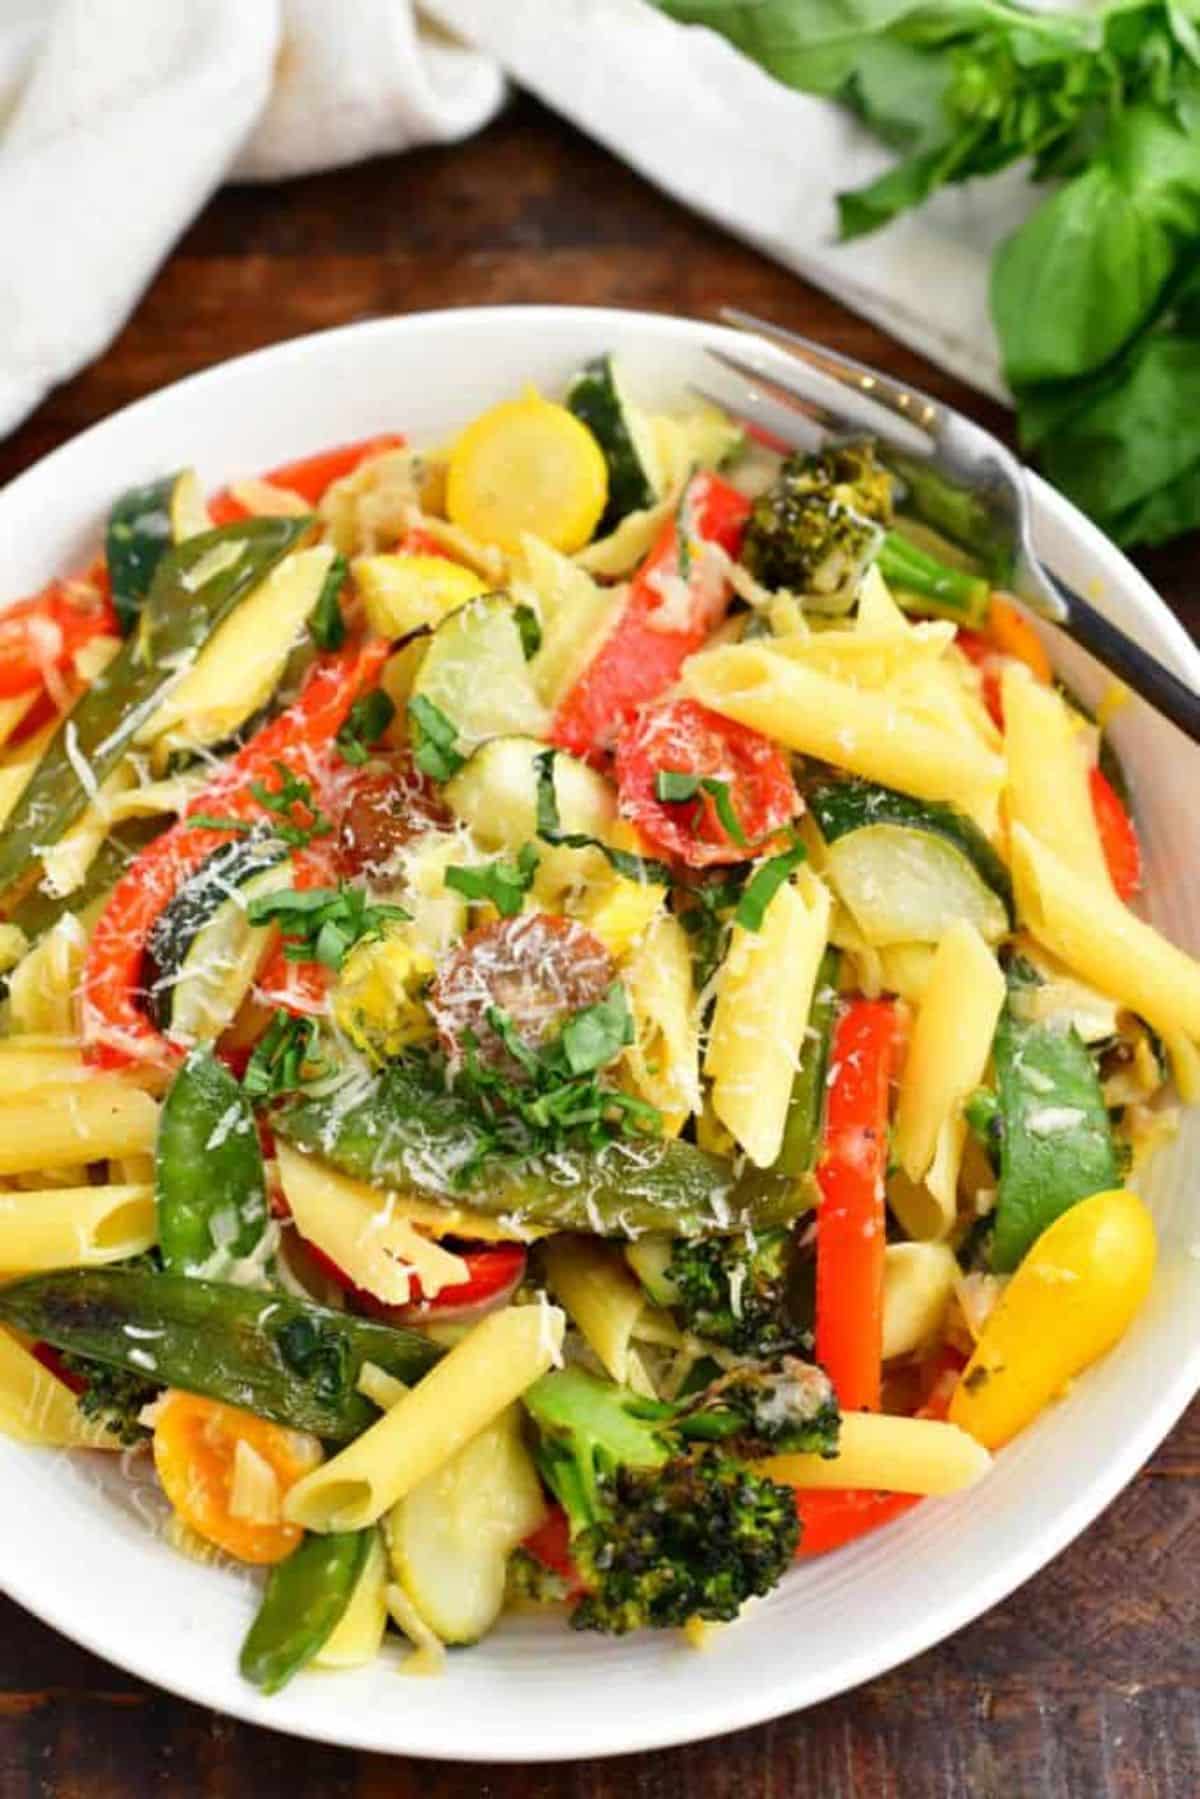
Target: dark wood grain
x=1084 y=1684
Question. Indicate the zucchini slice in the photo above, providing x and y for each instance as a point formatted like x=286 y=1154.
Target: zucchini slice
x=626 y=438
x=495 y=793
x=907 y=868
x=202 y=953
x=451 y=1537
x=143 y=523
x=475 y=673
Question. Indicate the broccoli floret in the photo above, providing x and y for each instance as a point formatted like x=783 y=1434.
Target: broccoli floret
x=528 y=1581
x=736 y=1291
x=664 y=1527
x=826 y=518
x=112 y=1396
x=817 y=528
x=790 y=1409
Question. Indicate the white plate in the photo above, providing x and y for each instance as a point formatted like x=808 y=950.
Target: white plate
x=74 y=1544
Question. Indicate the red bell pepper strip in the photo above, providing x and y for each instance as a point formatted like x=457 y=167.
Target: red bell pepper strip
x=309 y=477
x=550 y=1544
x=40 y=636
x=1118 y=837
x=850 y=1216
x=51 y=1360
x=116 y=1030
x=831 y=1516
x=641 y=657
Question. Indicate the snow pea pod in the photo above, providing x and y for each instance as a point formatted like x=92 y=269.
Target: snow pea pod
x=208 y=1169
x=302 y=1603
x=195 y=587
x=285 y=1359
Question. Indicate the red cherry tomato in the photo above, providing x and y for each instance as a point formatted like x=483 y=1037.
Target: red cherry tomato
x=40 y=636
x=493 y=1271
x=1118 y=837
x=535 y=968
x=550 y=1544
x=682 y=737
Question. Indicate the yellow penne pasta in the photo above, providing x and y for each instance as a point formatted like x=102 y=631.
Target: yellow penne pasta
x=867 y=660
x=74 y=1227
x=104 y=1118
x=866 y=733
x=362 y=1230
x=575 y=612
x=492 y=1366
x=43 y=988
x=358 y=1634
x=66 y=862
x=1102 y=940
x=595 y=1284
x=918 y=1281
x=878 y=614
x=947 y=1055
x=764 y=996
x=663 y=1062
x=893 y=1455
x=1047 y=787
x=37 y=1408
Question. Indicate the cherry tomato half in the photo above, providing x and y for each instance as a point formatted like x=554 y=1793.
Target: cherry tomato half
x=683 y=738
x=535 y=968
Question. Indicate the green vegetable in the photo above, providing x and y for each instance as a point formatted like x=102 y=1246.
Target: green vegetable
x=1094 y=296
x=1056 y=1144
x=369 y=718
x=597 y=398
x=304 y=1599
x=663 y=1527
x=825 y=519
x=408 y=1131
x=326 y=623
x=840 y=808
x=284 y=1358
x=434 y=739
x=806 y=1103
x=282 y=1054
x=322 y=924
x=762 y=886
x=736 y=1291
x=549 y=829
x=501 y=883
x=293 y=793
x=670 y=785
x=176 y=620
x=208 y=1169
x=143 y=523
x=203 y=948
x=529 y=626
x=114 y=1396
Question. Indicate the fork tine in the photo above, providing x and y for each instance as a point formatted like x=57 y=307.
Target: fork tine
x=768 y=432
x=777 y=389
x=906 y=402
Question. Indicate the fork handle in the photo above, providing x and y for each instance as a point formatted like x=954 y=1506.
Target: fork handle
x=1137 y=667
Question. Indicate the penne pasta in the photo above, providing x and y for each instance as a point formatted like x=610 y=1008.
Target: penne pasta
x=867 y=733
x=663 y=1061
x=74 y=1227
x=764 y=997
x=1047 y=784
x=891 y=1455
x=37 y=1408
x=489 y=1369
x=358 y=1634
x=97 y=1121
x=593 y=1283
x=1103 y=941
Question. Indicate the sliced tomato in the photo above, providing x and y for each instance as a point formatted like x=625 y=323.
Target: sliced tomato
x=40 y=636
x=682 y=737
x=386 y=804
x=550 y=1544
x=494 y=1270
x=1118 y=837
x=535 y=968
x=678 y=595
x=309 y=477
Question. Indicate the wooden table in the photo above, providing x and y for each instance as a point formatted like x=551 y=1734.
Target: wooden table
x=1084 y=1684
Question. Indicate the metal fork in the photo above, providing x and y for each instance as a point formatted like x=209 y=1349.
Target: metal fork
x=958 y=477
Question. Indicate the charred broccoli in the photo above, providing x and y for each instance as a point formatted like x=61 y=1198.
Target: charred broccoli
x=825 y=519
x=738 y=1291
x=113 y=1396
x=666 y=1524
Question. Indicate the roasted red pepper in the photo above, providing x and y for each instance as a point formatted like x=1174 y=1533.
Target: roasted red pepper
x=309 y=477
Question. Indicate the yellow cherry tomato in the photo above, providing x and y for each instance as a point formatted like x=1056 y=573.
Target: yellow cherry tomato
x=1070 y=1300
x=527 y=465
x=199 y=1446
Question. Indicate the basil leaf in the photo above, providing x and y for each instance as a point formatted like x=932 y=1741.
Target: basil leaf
x=530 y=629
x=596 y=1035
x=281 y=1055
x=326 y=625
x=670 y=786
x=434 y=739
x=635 y=868
x=764 y=884
x=504 y=884
x=368 y=719
x=322 y=924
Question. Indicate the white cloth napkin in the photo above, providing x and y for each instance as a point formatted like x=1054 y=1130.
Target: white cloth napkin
x=119 y=117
